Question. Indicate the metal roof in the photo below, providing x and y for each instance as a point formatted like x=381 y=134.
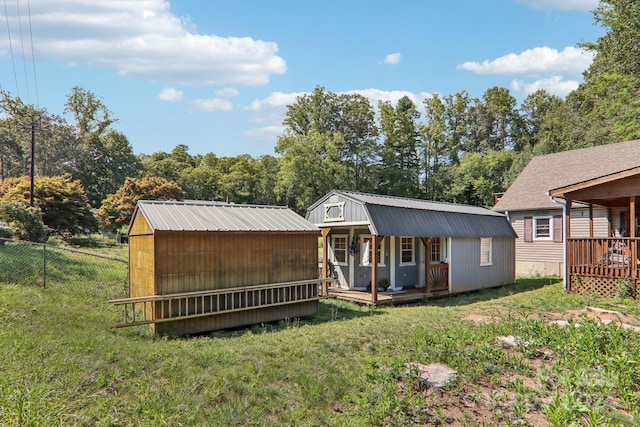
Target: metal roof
x=220 y=217
x=403 y=202
x=398 y=216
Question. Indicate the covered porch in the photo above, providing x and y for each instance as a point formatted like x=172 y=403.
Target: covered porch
x=436 y=276
x=604 y=266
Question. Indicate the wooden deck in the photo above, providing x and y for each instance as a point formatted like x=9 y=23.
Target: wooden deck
x=384 y=298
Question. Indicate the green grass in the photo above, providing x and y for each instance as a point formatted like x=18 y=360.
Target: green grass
x=60 y=364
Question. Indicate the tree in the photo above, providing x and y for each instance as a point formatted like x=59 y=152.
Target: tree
x=400 y=165
x=309 y=168
x=479 y=176
x=348 y=120
x=104 y=157
x=63 y=202
x=117 y=208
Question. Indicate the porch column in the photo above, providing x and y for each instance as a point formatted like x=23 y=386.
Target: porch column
x=632 y=243
x=325 y=258
x=375 y=242
x=426 y=241
x=590 y=221
x=567 y=248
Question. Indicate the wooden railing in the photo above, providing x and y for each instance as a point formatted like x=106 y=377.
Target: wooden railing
x=167 y=308
x=605 y=257
x=438 y=278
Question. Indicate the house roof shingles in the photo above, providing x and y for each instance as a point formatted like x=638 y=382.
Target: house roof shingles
x=551 y=171
x=220 y=217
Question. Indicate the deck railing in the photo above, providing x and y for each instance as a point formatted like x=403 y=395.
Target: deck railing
x=438 y=277
x=604 y=257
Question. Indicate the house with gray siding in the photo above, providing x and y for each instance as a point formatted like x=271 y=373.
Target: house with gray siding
x=392 y=245
x=539 y=218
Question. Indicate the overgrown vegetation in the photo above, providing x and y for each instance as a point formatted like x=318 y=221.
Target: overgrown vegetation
x=61 y=364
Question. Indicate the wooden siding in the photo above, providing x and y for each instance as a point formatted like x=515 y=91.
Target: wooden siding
x=178 y=262
x=140 y=226
x=188 y=262
x=465 y=271
x=290 y=312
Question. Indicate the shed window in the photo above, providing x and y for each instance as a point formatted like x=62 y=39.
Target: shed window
x=486 y=249
x=339 y=245
x=363 y=241
x=436 y=250
x=407 y=252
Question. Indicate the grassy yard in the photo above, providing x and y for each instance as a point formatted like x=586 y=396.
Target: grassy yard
x=60 y=364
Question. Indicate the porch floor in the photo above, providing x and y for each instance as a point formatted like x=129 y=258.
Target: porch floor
x=384 y=298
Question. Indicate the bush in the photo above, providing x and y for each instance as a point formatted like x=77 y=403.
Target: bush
x=25 y=223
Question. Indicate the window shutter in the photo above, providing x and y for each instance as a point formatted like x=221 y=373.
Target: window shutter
x=557 y=228
x=528 y=229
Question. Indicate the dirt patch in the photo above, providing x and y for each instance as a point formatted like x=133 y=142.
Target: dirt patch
x=505 y=398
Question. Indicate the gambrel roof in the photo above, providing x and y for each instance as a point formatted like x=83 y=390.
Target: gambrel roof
x=399 y=216
x=219 y=217
x=552 y=171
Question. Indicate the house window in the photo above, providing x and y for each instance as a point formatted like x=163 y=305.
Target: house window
x=542 y=228
x=363 y=242
x=407 y=253
x=339 y=245
x=486 y=249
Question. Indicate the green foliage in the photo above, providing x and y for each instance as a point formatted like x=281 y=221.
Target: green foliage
x=117 y=209
x=24 y=223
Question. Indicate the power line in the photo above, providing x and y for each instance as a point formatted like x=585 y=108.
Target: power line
x=13 y=63
x=24 y=59
x=33 y=56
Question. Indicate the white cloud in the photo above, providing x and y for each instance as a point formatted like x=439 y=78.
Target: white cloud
x=268 y=134
x=562 y=4
x=170 y=94
x=142 y=39
x=555 y=85
x=536 y=61
x=211 y=104
x=393 y=58
x=376 y=95
x=227 y=92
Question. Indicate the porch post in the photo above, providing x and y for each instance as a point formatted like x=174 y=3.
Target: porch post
x=632 y=243
x=375 y=242
x=426 y=241
x=567 y=249
x=590 y=221
x=325 y=258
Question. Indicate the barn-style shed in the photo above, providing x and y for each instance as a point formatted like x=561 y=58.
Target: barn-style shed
x=383 y=248
x=199 y=266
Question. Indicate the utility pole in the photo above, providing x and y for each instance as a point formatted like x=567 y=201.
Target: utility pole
x=33 y=128
x=33 y=153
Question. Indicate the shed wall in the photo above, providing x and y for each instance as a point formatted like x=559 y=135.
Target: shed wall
x=353 y=211
x=191 y=261
x=465 y=271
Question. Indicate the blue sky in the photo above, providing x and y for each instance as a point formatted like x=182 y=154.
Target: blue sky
x=217 y=75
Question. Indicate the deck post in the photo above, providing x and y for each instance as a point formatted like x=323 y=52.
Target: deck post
x=590 y=221
x=632 y=242
x=325 y=258
x=567 y=235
